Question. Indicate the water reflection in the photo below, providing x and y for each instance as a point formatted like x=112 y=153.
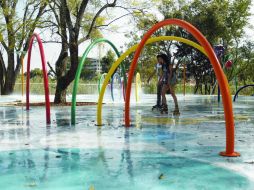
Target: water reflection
x=12 y=129
x=62 y=118
x=109 y=160
x=127 y=154
x=138 y=119
x=9 y=115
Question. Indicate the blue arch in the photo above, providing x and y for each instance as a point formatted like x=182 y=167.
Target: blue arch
x=236 y=94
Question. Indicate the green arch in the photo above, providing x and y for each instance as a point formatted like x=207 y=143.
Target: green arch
x=78 y=73
x=100 y=81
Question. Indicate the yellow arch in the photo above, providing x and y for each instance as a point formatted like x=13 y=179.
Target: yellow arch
x=127 y=53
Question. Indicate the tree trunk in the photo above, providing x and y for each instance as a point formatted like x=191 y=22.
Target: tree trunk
x=2 y=72
x=206 y=89
x=201 y=89
x=9 y=78
x=196 y=87
x=8 y=87
x=64 y=80
x=61 y=65
x=60 y=94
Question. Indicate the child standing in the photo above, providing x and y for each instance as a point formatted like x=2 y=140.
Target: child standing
x=168 y=81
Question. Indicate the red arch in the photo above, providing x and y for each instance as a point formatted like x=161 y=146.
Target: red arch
x=45 y=76
x=223 y=82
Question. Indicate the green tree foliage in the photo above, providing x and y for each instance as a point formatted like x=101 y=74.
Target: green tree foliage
x=221 y=21
x=243 y=67
x=15 y=32
x=107 y=61
x=35 y=73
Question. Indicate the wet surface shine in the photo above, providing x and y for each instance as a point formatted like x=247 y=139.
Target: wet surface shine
x=158 y=152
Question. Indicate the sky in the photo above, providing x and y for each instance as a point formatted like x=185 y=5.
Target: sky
x=250 y=31
x=117 y=37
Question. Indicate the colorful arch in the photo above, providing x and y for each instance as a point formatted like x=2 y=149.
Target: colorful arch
x=243 y=87
x=45 y=76
x=78 y=73
x=222 y=80
x=127 y=53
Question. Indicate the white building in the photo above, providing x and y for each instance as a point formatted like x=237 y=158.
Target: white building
x=94 y=65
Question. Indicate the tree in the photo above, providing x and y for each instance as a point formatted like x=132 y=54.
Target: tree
x=36 y=73
x=107 y=61
x=69 y=20
x=75 y=23
x=243 y=66
x=220 y=21
x=15 y=33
